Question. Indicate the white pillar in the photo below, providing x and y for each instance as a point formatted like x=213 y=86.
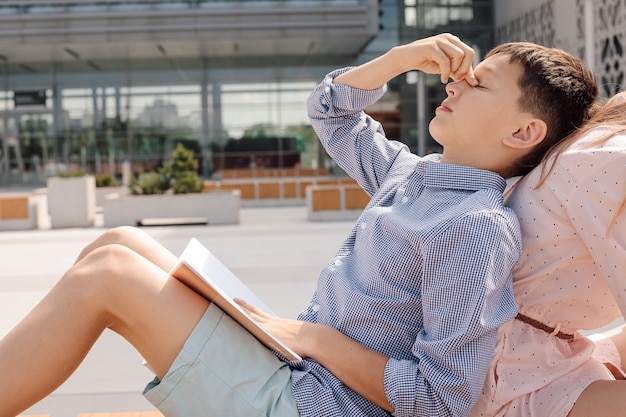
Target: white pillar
x=421 y=114
x=589 y=35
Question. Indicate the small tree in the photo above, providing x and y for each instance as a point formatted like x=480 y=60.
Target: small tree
x=183 y=169
x=178 y=176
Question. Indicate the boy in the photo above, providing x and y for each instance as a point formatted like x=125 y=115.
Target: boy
x=403 y=320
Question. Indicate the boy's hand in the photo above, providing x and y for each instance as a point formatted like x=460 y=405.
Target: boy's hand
x=443 y=54
x=290 y=332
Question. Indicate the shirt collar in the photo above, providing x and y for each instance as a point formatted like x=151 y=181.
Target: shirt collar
x=450 y=176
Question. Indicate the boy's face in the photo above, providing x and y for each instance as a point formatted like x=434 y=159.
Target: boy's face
x=474 y=119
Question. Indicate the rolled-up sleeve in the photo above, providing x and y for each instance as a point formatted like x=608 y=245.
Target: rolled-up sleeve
x=354 y=140
x=467 y=293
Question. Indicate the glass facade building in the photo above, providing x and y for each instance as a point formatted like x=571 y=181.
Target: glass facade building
x=89 y=85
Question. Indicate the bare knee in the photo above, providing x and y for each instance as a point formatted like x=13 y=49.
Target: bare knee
x=97 y=277
x=122 y=235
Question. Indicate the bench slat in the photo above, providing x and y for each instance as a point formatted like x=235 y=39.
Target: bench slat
x=124 y=414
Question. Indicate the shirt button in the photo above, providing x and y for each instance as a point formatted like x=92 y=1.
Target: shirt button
x=315 y=307
x=405 y=199
x=327 y=90
x=338 y=262
x=363 y=225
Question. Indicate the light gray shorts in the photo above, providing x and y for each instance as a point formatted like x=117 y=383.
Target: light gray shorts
x=223 y=370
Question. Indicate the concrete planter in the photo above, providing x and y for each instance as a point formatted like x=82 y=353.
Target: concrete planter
x=72 y=201
x=102 y=192
x=213 y=208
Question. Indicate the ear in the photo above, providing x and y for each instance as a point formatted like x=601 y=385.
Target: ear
x=530 y=134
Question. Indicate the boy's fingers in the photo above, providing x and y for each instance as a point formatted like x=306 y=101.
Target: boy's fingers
x=469 y=77
x=438 y=62
x=460 y=58
x=462 y=66
x=251 y=309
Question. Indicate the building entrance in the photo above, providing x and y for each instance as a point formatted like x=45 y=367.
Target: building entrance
x=27 y=143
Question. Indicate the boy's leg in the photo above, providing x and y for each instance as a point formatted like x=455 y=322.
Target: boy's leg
x=111 y=286
x=138 y=241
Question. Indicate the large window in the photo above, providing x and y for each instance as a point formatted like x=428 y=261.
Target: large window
x=264 y=108
x=97 y=129
x=433 y=14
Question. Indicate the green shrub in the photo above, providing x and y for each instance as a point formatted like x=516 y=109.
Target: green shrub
x=178 y=176
x=106 y=180
x=183 y=169
x=152 y=182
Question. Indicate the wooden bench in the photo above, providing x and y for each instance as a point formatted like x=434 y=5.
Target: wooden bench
x=173 y=221
x=123 y=414
x=14 y=207
x=270 y=192
x=20 y=211
x=127 y=414
x=341 y=202
x=272 y=172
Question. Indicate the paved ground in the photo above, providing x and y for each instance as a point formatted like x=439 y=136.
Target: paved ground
x=276 y=251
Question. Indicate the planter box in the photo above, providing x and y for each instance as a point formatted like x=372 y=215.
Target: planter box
x=72 y=201
x=212 y=208
x=102 y=192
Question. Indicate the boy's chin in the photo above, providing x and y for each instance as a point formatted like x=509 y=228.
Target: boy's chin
x=440 y=143
x=436 y=137
x=435 y=132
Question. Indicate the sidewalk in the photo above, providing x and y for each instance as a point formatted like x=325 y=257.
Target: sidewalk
x=276 y=251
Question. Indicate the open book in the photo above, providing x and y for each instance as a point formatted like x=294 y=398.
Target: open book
x=201 y=271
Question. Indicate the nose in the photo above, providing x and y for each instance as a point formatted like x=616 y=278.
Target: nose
x=454 y=87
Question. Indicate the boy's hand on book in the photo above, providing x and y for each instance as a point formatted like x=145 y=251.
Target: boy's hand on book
x=293 y=333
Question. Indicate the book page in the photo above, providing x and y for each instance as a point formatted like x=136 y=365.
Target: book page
x=199 y=269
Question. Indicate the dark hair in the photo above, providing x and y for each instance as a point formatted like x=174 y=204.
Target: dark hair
x=556 y=87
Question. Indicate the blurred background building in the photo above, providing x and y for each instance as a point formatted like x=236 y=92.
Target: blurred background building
x=92 y=84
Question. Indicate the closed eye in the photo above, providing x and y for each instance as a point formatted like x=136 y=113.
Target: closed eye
x=479 y=85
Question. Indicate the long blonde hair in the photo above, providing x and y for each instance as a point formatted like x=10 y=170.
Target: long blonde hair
x=610 y=115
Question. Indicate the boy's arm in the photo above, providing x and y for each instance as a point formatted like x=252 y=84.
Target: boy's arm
x=467 y=294
x=355 y=141
x=442 y=54
x=357 y=366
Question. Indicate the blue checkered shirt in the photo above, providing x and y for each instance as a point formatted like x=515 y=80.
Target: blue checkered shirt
x=424 y=276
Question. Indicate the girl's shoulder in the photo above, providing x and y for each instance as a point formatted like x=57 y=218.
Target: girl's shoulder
x=600 y=147
x=600 y=139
